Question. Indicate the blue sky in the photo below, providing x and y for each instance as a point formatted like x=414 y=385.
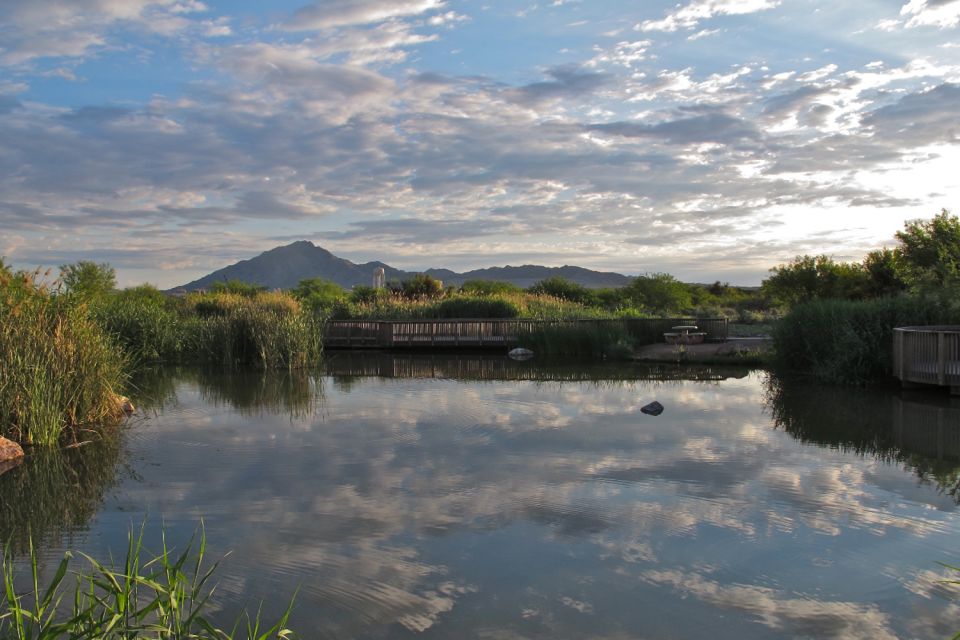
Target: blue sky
x=710 y=139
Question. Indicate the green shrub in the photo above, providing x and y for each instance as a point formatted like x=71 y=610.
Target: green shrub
x=848 y=342
x=474 y=308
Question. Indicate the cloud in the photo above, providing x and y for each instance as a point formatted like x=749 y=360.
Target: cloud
x=341 y=13
x=691 y=15
x=76 y=28
x=943 y=14
x=569 y=82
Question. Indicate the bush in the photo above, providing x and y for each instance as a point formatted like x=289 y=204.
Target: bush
x=474 y=308
x=848 y=342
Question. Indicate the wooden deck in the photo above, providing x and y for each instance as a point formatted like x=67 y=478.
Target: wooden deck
x=927 y=356
x=486 y=333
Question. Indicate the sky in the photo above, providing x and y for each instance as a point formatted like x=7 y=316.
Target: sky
x=708 y=139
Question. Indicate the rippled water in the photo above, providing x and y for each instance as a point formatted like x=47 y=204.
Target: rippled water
x=485 y=498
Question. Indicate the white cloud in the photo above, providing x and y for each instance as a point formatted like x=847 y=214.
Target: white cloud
x=691 y=15
x=932 y=13
x=340 y=13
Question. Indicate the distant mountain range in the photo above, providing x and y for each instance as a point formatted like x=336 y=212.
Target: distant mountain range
x=284 y=267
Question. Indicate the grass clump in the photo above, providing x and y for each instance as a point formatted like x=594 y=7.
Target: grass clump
x=846 y=341
x=164 y=597
x=60 y=371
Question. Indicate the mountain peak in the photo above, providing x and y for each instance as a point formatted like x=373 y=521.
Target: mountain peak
x=285 y=266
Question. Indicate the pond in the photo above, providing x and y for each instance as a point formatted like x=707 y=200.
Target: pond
x=466 y=496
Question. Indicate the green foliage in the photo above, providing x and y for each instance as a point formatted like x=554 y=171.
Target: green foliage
x=165 y=597
x=319 y=295
x=88 y=280
x=237 y=287
x=848 y=342
x=420 y=287
x=266 y=331
x=365 y=294
x=564 y=289
x=885 y=273
x=930 y=252
x=816 y=277
x=60 y=372
x=463 y=307
x=144 y=321
x=488 y=288
x=587 y=339
x=659 y=292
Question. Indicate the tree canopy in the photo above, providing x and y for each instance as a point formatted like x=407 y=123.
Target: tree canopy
x=88 y=280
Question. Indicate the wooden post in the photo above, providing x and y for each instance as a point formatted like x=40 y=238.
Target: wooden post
x=941 y=358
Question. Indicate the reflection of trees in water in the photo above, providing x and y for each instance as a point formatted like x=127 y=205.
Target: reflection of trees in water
x=920 y=430
x=55 y=492
x=298 y=393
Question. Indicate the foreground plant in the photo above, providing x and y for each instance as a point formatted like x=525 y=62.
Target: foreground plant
x=164 y=598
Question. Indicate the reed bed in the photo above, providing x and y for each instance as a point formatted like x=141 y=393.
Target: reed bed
x=849 y=342
x=61 y=373
x=162 y=597
x=609 y=340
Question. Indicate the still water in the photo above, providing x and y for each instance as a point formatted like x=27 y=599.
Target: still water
x=468 y=497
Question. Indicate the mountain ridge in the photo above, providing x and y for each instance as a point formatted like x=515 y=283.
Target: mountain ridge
x=283 y=267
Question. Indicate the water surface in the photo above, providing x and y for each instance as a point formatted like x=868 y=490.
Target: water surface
x=418 y=496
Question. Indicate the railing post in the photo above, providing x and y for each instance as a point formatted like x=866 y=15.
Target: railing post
x=941 y=358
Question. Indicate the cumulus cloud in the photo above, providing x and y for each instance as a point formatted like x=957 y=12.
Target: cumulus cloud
x=933 y=13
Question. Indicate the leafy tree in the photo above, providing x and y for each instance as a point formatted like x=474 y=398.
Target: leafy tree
x=816 y=277
x=318 y=293
x=930 y=252
x=365 y=294
x=88 y=280
x=488 y=287
x=238 y=287
x=884 y=273
x=560 y=287
x=421 y=286
x=659 y=292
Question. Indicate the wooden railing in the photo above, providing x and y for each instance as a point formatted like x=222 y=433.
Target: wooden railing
x=927 y=355
x=489 y=333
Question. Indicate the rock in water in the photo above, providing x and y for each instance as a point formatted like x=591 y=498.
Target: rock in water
x=652 y=409
x=520 y=353
x=11 y=455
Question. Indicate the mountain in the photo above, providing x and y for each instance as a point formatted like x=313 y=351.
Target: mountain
x=284 y=267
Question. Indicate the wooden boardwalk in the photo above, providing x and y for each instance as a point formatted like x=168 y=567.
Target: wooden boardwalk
x=487 y=333
x=927 y=356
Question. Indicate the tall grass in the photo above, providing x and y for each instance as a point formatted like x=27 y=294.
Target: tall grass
x=261 y=330
x=848 y=342
x=60 y=372
x=164 y=597
x=587 y=339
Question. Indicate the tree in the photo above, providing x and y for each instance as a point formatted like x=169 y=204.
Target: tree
x=318 y=293
x=421 y=286
x=88 y=280
x=659 y=292
x=810 y=277
x=560 y=287
x=884 y=273
x=237 y=287
x=488 y=287
x=930 y=252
